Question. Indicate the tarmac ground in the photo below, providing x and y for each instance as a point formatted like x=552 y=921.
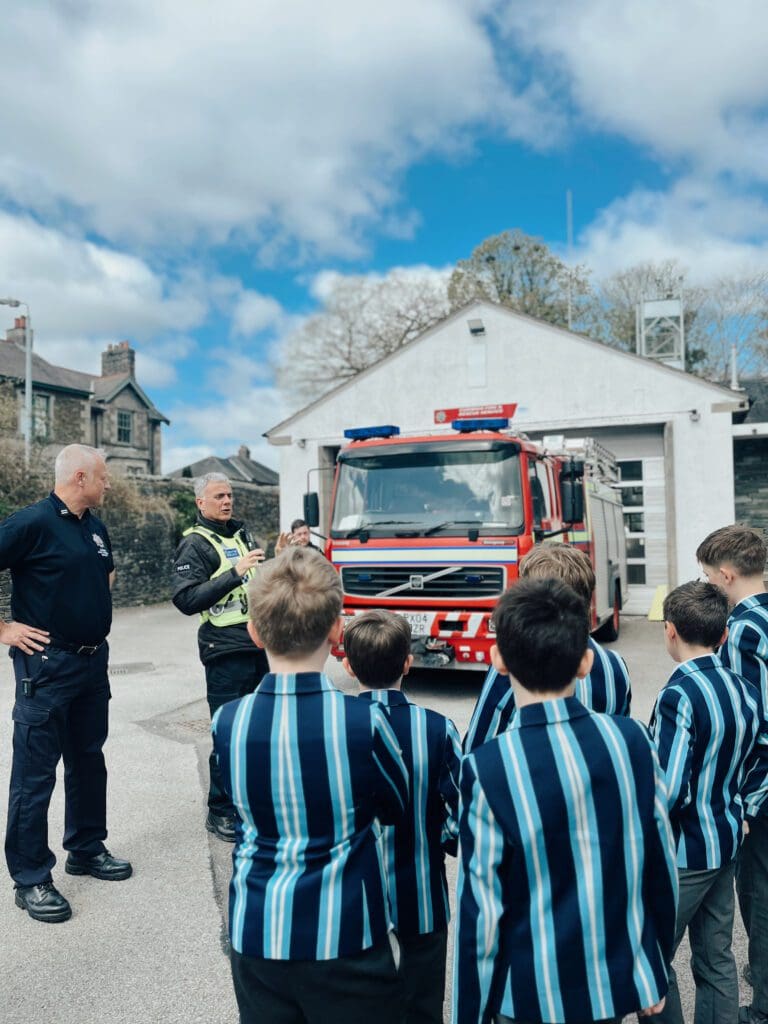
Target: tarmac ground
x=153 y=948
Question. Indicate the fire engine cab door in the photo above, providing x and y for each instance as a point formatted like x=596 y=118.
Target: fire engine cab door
x=603 y=572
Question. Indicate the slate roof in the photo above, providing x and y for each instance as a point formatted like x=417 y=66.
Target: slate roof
x=101 y=389
x=12 y=364
x=237 y=467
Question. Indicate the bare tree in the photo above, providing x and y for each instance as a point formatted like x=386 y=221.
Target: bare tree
x=735 y=312
x=362 y=320
x=519 y=271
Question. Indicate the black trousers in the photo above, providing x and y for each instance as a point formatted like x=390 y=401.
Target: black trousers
x=64 y=715
x=422 y=967
x=226 y=678
x=361 y=989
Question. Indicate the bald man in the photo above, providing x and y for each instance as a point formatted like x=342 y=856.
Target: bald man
x=61 y=566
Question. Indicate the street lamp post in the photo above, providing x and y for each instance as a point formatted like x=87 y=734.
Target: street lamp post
x=15 y=303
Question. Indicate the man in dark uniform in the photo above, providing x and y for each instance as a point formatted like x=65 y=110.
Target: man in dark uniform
x=211 y=570
x=61 y=567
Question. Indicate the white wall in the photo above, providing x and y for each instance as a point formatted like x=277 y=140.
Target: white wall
x=561 y=383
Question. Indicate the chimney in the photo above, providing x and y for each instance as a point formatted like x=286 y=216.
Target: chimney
x=15 y=334
x=244 y=451
x=118 y=359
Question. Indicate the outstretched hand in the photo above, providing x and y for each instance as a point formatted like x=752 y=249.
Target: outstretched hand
x=284 y=540
x=248 y=561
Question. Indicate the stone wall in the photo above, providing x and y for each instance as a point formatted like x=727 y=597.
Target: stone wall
x=750 y=464
x=145 y=527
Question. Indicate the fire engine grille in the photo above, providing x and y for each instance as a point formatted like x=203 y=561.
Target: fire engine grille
x=423 y=581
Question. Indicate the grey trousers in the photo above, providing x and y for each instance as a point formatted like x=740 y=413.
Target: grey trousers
x=706 y=909
x=752 y=887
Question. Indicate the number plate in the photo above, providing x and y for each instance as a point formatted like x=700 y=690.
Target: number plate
x=420 y=622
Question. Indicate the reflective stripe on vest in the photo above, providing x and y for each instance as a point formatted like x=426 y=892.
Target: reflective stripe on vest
x=232 y=609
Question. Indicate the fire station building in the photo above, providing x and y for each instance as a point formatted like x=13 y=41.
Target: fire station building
x=673 y=433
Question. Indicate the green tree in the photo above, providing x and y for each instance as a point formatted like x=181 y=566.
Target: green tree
x=521 y=272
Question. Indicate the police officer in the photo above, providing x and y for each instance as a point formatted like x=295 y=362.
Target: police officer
x=211 y=570
x=61 y=567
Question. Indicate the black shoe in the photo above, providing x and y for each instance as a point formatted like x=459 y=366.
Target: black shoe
x=221 y=825
x=44 y=902
x=101 y=865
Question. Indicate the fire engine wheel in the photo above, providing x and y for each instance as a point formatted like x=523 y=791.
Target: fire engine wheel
x=609 y=630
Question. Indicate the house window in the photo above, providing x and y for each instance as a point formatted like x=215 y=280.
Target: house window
x=633 y=499
x=41 y=415
x=124 y=426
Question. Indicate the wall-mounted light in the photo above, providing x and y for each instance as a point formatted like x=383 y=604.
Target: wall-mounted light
x=301 y=443
x=476 y=327
x=694 y=415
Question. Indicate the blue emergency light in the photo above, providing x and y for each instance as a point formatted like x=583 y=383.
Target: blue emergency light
x=465 y=426
x=363 y=433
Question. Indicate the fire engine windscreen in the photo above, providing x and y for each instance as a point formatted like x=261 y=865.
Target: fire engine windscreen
x=440 y=492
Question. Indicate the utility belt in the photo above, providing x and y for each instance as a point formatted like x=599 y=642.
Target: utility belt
x=86 y=649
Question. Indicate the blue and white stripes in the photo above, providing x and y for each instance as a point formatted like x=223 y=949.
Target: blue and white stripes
x=746 y=653
x=606 y=689
x=705 y=722
x=310 y=771
x=568 y=887
x=414 y=849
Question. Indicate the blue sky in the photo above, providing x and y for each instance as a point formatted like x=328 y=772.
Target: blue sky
x=185 y=175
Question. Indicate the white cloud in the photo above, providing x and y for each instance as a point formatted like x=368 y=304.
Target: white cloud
x=221 y=427
x=688 y=79
x=179 y=123
x=82 y=296
x=709 y=231
x=254 y=313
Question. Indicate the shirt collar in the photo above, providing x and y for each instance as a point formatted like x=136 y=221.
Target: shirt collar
x=700 y=664
x=63 y=512
x=755 y=601
x=547 y=712
x=295 y=683
x=391 y=698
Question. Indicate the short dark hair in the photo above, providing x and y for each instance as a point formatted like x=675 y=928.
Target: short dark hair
x=542 y=632
x=698 y=611
x=377 y=644
x=297 y=523
x=737 y=545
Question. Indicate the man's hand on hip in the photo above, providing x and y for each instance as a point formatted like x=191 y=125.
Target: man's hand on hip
x=27 y=638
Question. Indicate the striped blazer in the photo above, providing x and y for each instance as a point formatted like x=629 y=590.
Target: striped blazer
x=705 y=722
x=606 y=688
x=310 y=771
x=414 y=849
x=746 y=653
x=567 y=882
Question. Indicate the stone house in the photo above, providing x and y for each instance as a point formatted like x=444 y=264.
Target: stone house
x=110 y=411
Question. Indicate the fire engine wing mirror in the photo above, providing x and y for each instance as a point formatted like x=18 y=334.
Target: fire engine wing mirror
x=572 y=492
x=312 y=509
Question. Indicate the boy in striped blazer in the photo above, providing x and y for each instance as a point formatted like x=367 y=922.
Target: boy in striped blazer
x=705 y=722
x=606 y=687
x=311 y=773
x=377 y=646
x=733 y=558
x=567 y=881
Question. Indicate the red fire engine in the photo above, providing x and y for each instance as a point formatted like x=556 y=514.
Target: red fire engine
x=433 y=526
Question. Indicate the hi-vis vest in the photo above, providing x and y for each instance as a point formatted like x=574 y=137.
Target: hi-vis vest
x=233 y=609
